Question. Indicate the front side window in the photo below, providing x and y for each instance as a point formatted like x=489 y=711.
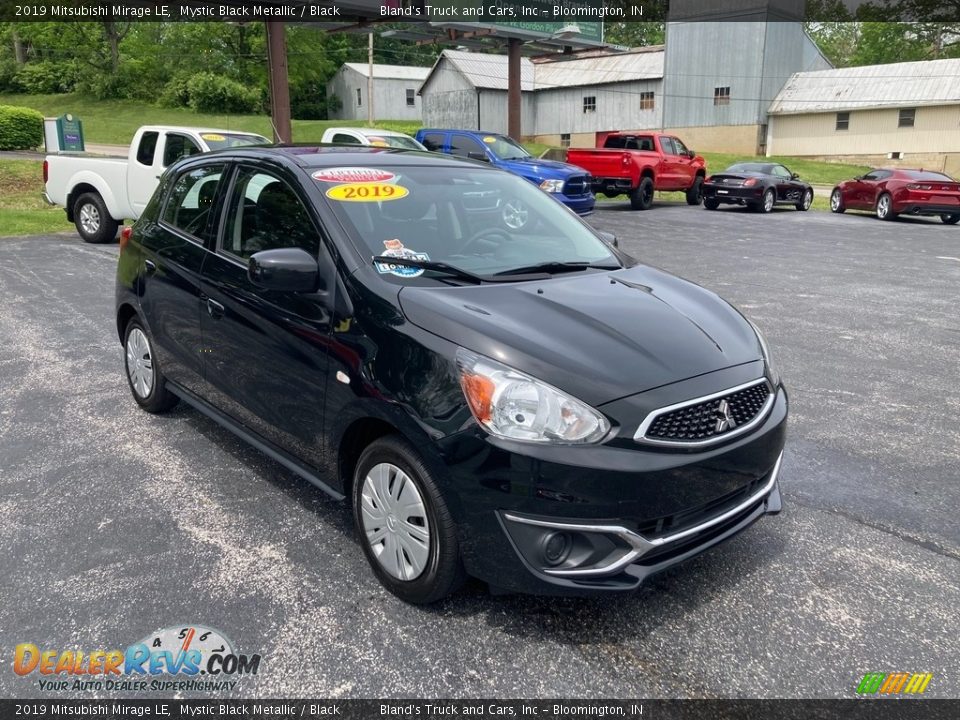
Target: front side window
x=477 y=219
x=666 y=144
x=433 y=141
x=780 y=171
x=190 y=204
x=590 y=103
x=907 y=116
x=178 y=146
x=875 y=175
x=463 y=145
x=679 y=148
x=265 y=213
x=505 y=148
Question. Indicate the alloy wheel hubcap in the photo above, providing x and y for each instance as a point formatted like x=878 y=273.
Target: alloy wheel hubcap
x=515 y=215
x=395 y=521
x=90 y=219
x=139 y=363
x=835 y=201
x=768 y=202
x=883 y=206
x=807 y=200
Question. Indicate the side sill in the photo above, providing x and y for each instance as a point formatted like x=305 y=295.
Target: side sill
x=267 y=448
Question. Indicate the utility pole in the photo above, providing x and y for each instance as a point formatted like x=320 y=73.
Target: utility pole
x=370 y=79
x=514 y=107
x=279 y=87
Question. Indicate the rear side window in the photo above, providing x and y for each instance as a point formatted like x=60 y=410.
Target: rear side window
x=265 y=213
x=344 y=139
x=433 y=141
x=178 y=146
x=148 y=148
x=463 y=145
x=191 y=202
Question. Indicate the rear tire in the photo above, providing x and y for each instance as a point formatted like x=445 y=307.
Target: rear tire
x=415 y=555
x=885 y=207
x=146 y=381
x=768 y=201
x=806 y=201
x=950 y=219
x=695 y=193
x=836 y=201
x=711 y=204
x=642 y=197
x=92 y=219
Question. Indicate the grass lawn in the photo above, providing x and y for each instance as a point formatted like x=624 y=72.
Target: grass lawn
x=22 y=210
x=811 y=171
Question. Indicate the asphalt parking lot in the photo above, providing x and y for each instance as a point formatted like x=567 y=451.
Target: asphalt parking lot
x=116 y=523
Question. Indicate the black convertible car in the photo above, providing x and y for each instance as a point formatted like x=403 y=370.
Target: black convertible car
x=759 y=186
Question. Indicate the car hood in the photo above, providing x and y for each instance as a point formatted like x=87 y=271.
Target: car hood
x=543 y=169
x=597 y=335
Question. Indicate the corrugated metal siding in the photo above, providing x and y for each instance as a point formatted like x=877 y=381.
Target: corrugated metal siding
x=932 y=82
x=871 y=132
x=488 y=71
x=389 y=97
x=493 y=113
x=450 y=109
x=618 y=108
x=391 y=72
x=598 y=70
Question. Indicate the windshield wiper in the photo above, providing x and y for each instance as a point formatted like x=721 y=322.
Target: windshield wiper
x=440 y=267
x=556 y=267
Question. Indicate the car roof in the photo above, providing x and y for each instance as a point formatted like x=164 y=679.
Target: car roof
x=317 y=155
x=198 y=130
x=458 y=130
x=368 y=131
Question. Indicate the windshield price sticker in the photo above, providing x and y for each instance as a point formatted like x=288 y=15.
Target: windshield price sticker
x=489 y=139
x=353 y=175
x=213 y=137
x=367 y=192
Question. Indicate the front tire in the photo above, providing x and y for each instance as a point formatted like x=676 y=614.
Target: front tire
x=146 y=381
x=806 y=201
x=695 y=193
x=642 y=197
x=836 y=201
x=404 y=526
x=92 y=219
x=947 y=219
x=711 y=204
x=885 y=207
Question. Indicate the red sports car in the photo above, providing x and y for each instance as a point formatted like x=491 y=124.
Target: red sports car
x=897 y=191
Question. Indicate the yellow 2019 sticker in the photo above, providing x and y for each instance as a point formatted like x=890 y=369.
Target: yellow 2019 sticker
x=367 y=192
x=489 y=139
x=213 y=137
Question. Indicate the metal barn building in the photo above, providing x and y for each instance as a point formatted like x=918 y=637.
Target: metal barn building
x=896 y=114
x=394 y=91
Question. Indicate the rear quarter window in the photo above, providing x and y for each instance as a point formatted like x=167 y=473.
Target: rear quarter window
x=191 y=201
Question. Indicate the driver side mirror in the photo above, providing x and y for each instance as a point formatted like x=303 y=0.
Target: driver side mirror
x=691 y=154
x=608 y=238
x=858 y=177
x=794 y=176
x=285 y=269
x=478 y=156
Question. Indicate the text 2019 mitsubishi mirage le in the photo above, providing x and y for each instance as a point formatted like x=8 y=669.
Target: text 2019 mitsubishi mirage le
x=528 y=405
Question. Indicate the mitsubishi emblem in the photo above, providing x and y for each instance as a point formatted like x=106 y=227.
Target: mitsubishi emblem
x=725 y=419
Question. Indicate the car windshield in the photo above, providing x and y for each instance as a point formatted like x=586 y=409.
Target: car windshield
x=750 y=168
x=927 y=175
x=479 y=220
x=219 y=141
x=505 y=148
x=397 y=141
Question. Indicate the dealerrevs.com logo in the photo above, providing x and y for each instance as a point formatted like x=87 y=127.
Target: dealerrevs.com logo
x=176 y=658
x=898 y=683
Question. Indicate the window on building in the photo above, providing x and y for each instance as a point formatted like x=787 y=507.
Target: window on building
x=646 y=101
x=843 y=121
x=565 y=140
x=907 y=116
x=721 y=95
x=590 y=103
x=359 y=101
x=411 y=97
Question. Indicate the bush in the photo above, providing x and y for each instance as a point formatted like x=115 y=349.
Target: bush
x=45 y=77
x=20 y=128
x=176 y=93
x=216 y=94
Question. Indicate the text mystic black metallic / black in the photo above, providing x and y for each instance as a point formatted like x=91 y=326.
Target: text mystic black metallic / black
x=498 y=390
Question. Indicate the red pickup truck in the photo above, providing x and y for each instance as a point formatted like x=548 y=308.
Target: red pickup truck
x=637 y=164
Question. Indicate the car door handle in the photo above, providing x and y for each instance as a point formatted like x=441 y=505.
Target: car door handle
x=214 y=309
x=151 y=266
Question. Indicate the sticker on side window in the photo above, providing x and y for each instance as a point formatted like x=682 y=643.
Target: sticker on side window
x=367 y=192
x=213 y=137
x=395 y=248
x=352 y=175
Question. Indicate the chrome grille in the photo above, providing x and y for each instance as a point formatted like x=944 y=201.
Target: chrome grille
x=709 y=419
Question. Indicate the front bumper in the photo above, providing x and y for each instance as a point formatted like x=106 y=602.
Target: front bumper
x=628 y=511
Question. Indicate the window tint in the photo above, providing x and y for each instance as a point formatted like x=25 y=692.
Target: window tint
x=178 y=146
x=264 y=214
x=667 y=145
x=678 y=147
x=190 y=205
x=780 y=171
x=345 y=139
x=148 y=148
x=433 y=141
x=877 y=175
x=462 y=145
x=927 y=175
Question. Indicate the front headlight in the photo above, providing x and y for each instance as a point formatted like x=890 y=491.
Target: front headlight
x=509 y=404
x=772 y=368
x=552 y=186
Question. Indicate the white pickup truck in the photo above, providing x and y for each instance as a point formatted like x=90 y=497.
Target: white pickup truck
x=99 y=192
x=369 y=136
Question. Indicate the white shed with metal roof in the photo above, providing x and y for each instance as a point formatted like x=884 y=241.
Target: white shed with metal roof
x=394 y=91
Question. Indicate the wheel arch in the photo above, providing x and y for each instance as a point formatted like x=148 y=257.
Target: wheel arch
x=125 y=313
x=84 y=182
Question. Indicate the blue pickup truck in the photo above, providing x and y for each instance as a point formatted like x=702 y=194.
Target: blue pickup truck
x=567 y=183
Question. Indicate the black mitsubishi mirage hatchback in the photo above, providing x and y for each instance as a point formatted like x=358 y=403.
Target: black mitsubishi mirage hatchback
x=496 y=388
